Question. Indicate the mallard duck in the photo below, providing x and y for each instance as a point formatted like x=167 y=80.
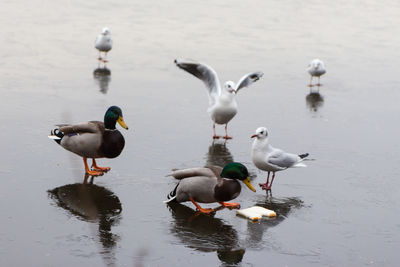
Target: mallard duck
x=103 y=43
x=210 y=184
x=93 y=139
x=222 y=103
x=316 y=68
x=270 y=159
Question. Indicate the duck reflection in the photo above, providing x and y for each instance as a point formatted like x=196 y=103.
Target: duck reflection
x=218 y=154
x=282 y=207
x=91 y=203
x=314 y=101
x=205 y=233
x=102 y=75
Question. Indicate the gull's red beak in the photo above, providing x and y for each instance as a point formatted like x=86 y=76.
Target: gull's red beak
x=254 y=135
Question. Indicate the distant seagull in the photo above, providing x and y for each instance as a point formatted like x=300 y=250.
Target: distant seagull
x=222 y=104
x=104 y=43
x=316 y=68
x=270 y=159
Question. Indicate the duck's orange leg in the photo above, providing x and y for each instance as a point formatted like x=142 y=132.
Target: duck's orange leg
x=93 y=173
x=207 y=211
x=98 y=168
x=232 y=205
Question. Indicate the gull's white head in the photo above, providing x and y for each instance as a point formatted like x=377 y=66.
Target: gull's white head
x=105 y=31
x=230 y=87
x=261 y=133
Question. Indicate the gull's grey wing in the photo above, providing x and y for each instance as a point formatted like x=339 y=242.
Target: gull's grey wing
x=204 y=73
x=248 y=79
x=88 y=127
x=283 y=160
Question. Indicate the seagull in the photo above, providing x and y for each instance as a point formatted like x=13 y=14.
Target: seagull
x=222 y=104
x=270 y=159
x=104 y=43
x=316 y=68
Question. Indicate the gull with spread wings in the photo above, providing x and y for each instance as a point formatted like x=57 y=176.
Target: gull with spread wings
x=222 y=103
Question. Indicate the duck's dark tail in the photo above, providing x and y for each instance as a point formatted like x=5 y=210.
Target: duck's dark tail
x=171 y=197
x=56 y=135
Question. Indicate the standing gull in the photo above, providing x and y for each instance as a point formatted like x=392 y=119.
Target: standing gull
x=316 y=68
x=270 y=159
x=222 y=104
x=104 y=43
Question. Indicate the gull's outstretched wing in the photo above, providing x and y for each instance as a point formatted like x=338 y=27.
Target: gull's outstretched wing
x=204 y=73
x=248 y=79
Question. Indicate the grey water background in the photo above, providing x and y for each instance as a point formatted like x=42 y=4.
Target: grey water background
x=342 y=210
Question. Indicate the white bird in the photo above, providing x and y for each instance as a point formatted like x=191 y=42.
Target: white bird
x=270 y=159
x=222 y=104
x=104 y=43
x=316 y=68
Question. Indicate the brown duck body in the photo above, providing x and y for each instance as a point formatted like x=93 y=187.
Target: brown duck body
x=205 y=185
x=92 y=140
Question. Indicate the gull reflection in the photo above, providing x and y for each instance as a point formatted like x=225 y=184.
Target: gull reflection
x=218 y=154
x=282 y=207
x=205 y=233
x=102 y=75
x=95 y=204
x=314 y=101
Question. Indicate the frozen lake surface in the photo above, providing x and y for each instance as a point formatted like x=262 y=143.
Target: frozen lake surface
x=342 y=210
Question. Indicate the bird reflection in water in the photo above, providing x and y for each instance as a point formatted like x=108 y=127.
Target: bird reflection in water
x=314 y=101
x=282 y=207
x=102 y=75
x=218 y=154
x=94 y=204
x=205 y=233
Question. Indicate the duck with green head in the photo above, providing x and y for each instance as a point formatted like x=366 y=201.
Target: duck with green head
x=93 y=139
x=210 y=184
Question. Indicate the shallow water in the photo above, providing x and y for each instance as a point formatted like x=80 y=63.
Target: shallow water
x=340 y=211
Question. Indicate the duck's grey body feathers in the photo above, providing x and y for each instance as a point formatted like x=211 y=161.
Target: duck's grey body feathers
x=87 y=127
x=210 y=171
x=92 y=140
x=205 y=185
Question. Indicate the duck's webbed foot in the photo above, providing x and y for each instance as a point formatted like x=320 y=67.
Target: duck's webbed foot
x=230 y=205
x=206 y=211
x=98 y=168
x=94 y=173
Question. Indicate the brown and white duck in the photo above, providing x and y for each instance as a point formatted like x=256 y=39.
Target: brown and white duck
x=93 y=139
x=210 y=184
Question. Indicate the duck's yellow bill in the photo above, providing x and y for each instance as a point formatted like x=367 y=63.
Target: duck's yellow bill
x=122 y=123
x=247 y=182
